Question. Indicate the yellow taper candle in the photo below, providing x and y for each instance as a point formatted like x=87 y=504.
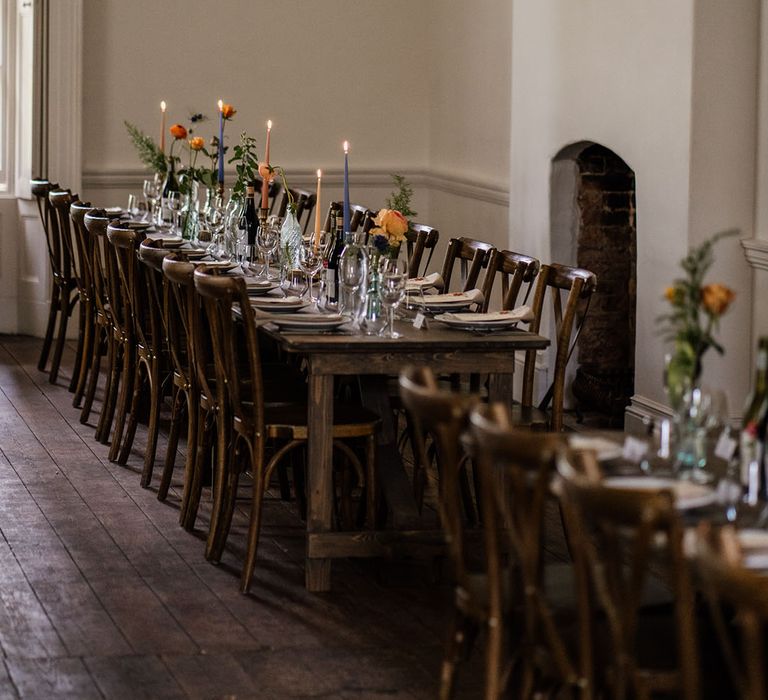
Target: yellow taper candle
x=162 y=126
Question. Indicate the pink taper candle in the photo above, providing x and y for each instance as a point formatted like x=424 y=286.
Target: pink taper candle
x=162 y=126
x=265 y=176
x=318 y=225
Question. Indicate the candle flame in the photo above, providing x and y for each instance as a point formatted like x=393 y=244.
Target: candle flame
x=319 y=173
x=162 y=106
x=269 y=125
x=346 y=147
x=221 y=105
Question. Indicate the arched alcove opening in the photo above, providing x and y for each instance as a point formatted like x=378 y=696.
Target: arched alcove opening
x=592 y=208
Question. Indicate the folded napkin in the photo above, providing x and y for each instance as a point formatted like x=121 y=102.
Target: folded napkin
x=416 y=283
x=474 y=296
x=521 y=313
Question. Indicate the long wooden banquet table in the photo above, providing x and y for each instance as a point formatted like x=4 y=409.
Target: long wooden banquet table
x=374 y=359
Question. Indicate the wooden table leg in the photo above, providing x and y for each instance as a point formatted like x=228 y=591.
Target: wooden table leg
x=319 y=475
x=500 y=388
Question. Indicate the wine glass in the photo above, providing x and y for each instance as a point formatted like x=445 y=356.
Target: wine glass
x=133 y=205
x=311 y=259
x=393 y=276
x=353 y=274
x=267 y=238
x=216 y=220
x=151 y=194
x=172 y=201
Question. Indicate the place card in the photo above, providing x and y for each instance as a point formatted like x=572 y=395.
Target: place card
x=726 y=446
x=420 y=322
x=634 y=450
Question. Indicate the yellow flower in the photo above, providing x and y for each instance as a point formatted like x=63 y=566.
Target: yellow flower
x=197 y=143
x=392 y=224
x=228 y=111
x=716 y=298
x=178 y=131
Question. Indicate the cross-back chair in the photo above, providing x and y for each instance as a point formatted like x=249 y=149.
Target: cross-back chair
x=63 y=267
x=472 y=256
x=515 y=472
x=305 y=205
x=85 y=286
x=360 y=217
x=257 y=421
x=621 y=539
x=190 y=349
x=738 y=594
x=517 y=272
x=576 y=286
x=419 y=239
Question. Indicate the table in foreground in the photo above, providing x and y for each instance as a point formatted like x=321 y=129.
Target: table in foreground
x=374 y=358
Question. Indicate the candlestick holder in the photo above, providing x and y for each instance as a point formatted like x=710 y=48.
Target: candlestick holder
x=220 y=189
x=263 y=214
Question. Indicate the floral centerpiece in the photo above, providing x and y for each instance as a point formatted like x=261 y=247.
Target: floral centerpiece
x=691 y=324
x=389 y=233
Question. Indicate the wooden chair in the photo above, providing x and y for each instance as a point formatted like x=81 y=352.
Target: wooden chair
x=120 y=253
x=577 y=286
x=305 y=205
x=515 y=270
x=418 y=239
x=620 y=540
x=472 y=255
x=360 y=217
x=728 y=585
x=190 y=353
x=515 y=472
x=151 y=366
x=442 y=416
x=244 y=398
x=64 y=294
x=85 y=287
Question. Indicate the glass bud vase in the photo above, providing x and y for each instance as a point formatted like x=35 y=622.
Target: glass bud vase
x=691 y=422
x=375 y=317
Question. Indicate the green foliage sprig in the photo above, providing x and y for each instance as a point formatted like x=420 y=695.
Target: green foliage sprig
x=244 y=154
x=148 y=151
x=400 y=200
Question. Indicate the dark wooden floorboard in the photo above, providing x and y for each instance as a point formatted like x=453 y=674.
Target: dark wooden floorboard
x=102 y=594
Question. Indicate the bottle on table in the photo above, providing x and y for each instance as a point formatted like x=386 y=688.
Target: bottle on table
x=753 y=430
x=332 y=274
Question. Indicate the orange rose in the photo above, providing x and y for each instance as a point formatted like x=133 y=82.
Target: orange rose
x=670 y=293
x=228 y=111
x=266 y=172
x=178 y=131
x=392 y=223
x=716 y=298
x=197 y=143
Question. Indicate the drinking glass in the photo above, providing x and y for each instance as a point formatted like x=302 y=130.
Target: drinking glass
x=172 y=201
x=267 y=238
x=393 y=276
x=216 y=220
x=311 y=260
x=151 y=194
x=133 y=205
x=353 y=276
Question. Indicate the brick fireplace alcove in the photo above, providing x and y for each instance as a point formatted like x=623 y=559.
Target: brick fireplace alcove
x=594 y=226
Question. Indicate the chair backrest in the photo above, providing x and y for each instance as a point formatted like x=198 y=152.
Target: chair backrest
x=84 y=246
x=515 y=470
x=59 y=226
x=96 y=222
x=515 y=270
x=472 y=256
x=442 y=416
x=577 y=286
x=727 y=583
x=305 y=205
x=131 y=316
x=420 y=238
x=40 y=189
x=151 y=254
x=219 y=293
x=615 y=536
x=182 y=313
x=360 y=217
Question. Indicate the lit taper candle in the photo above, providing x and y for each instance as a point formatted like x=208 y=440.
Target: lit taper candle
x=318 y=225
x=265 y=175
x=162 y=126
x=221 y=142
x=346 y=187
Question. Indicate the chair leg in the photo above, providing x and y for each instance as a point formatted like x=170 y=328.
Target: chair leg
x=193 y=477
x=122 y=402
x=225 y=479
x=110 y=391
x=254 y=530
x=133 y=415
x=453 y=649
x=153 y=427
x=53 y=308
x=76 y=367
x=93 y=374
x=370 y=482
x=85 y=357
x=61 y=338
x=177 y=406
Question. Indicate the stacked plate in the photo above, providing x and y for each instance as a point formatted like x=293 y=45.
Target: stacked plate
x=456 y=301
x=309 y=321
x=271 y=303
x=686 y=493
x=495 y=320
x=259 y=287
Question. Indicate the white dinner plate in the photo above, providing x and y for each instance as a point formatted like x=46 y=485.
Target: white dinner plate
x=476 y=325
x=223 y=265
x=686 y=494
x=309 y=322
x=259 y=287
x=754 y=548
x=270 y=303
x=604 y=448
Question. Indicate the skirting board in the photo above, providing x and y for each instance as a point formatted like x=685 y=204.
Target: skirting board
x=642 y=409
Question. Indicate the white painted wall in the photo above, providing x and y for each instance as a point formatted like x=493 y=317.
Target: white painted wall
x=635 y=78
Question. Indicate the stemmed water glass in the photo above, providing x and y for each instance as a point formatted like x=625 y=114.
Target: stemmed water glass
x=216 y=220
x=311 y=260
x=151 y=194
x=267 y=238
x=393 y=277
x=172 y=201
x=353 y=276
